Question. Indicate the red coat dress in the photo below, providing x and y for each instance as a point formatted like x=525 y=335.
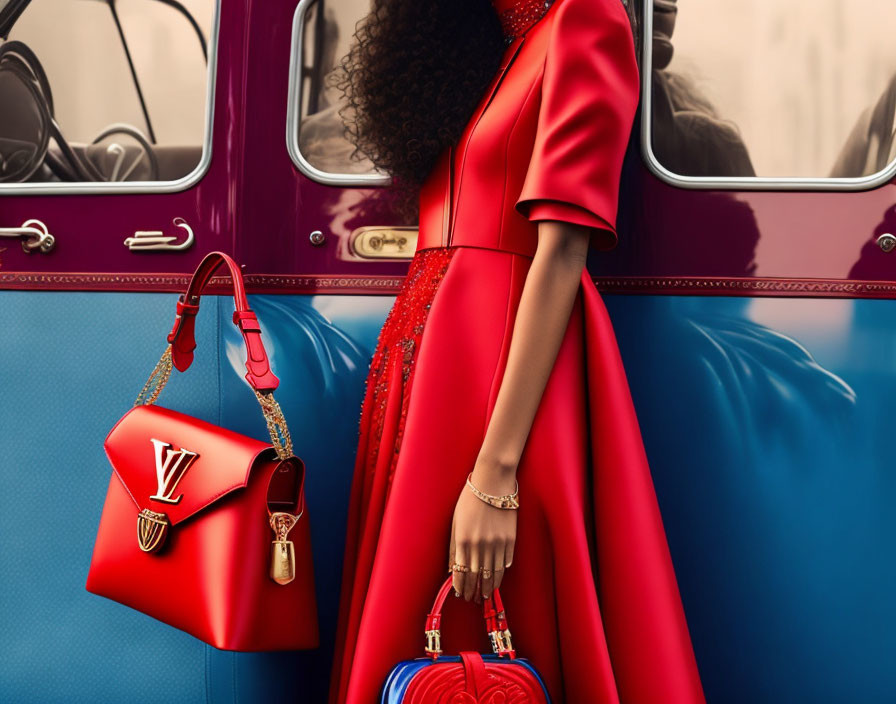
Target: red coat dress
x=591 y=596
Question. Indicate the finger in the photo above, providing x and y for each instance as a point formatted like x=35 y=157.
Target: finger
x=462 y=557
x=498 y=569
x=487 y=583
x=472 y=577
x=451 y=548
x=499 y=574
x=508 y=553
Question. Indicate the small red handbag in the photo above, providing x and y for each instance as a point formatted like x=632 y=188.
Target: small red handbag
x=467 y=678
x=204 y=528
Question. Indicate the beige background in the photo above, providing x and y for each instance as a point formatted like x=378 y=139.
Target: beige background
x=78 y=45
x=793 y=74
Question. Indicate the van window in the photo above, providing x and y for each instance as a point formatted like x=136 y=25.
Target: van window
x=796 y=94
x=105 y=96
x=322 y=35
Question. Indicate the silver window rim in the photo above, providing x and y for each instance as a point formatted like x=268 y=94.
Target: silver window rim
x=181 y=184
x=294 y=114
x=731 y=182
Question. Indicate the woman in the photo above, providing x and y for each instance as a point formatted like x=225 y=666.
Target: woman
x=497 y=363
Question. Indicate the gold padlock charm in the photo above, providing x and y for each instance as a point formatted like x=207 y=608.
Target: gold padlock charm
x=283 y=561
x=283 y=552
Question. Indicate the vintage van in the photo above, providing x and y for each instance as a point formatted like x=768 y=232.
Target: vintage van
x=751 y=294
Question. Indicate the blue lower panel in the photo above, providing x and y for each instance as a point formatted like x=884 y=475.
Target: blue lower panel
x=768 y=428
x=70 y=365
x=767 y=424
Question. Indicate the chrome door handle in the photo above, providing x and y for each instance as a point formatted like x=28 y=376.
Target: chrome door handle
x=158 y=240
x=34 y=235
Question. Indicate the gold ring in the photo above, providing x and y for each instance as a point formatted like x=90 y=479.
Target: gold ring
x=457 y=567
x=486 y=573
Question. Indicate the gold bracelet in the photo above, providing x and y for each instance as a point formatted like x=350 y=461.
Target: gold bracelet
x=508 y=501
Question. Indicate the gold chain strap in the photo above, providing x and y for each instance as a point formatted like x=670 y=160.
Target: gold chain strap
x=273 y=415
x=157 y=380
x=276 y=424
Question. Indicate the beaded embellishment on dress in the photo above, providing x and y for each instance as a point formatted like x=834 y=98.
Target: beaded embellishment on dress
x=398 y=342
x=520 y=15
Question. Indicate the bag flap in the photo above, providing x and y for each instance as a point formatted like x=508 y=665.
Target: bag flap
x=175 y=464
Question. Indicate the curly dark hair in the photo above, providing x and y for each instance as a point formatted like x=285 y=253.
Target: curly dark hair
x=411 y=79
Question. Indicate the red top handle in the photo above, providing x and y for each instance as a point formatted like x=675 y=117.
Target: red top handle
x=495 y=622
x=183 y=338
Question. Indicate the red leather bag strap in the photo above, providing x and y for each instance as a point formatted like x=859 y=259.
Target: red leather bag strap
x=495 y=620
x=474 y=672
x=496 y=624
x=182 y=336
x=182 y=342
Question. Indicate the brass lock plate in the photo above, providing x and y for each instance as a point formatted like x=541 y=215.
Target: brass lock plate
x=373 y=242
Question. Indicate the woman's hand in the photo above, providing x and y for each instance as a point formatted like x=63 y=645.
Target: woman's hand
x=482 y=536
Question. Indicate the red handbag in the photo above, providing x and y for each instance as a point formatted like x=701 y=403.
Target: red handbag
x=203 y=527
x=468 y=678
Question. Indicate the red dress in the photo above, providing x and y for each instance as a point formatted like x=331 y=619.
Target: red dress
x=591 y=595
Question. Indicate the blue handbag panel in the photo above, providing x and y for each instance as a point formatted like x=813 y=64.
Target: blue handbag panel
x=398 y=681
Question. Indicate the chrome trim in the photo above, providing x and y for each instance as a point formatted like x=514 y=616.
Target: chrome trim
x=730 y=182
x=330 y=284
x=294 y=112
x=155 y=240
x=389 y=285
x=35 y=236
x=191 y=179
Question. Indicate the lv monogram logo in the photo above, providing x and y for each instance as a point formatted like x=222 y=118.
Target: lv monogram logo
x=171 y=465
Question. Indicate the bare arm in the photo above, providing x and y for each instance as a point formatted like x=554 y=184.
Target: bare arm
x=482 y=535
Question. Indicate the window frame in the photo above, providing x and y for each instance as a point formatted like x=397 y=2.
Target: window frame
x=115 y=187
x=739 y=183
x=294 y=116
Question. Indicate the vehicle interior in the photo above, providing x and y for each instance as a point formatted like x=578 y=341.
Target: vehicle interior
x=41 y=143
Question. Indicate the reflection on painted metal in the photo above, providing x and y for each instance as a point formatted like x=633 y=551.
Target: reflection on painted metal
x=766 y=426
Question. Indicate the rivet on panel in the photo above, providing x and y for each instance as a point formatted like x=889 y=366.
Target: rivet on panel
x=886 y=242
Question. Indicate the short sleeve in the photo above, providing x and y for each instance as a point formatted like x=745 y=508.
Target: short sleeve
x=589 y=96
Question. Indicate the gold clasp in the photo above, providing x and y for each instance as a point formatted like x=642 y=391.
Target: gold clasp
x=283 y=552
x=433 y=642
x=501 y=642
x=152 y=530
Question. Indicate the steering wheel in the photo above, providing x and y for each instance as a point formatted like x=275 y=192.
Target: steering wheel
x=121 y=170
x=19 y=63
